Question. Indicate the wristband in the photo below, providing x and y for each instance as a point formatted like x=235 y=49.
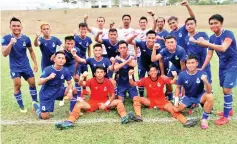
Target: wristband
x=107 y=102
x=130 y=77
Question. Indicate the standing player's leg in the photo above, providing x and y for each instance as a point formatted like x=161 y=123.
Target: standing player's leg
x=169 y=88
x=207 y=100
x=32 y=88
x=227 y=82
x=17 y=90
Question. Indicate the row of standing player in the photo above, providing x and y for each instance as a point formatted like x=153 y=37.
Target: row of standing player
x=190 y=25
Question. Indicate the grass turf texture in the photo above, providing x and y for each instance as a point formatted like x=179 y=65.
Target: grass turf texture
x=147 y=132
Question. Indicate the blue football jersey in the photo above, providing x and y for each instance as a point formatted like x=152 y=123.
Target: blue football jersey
x=93 y=63
x=18 y=59
x=180 y=35
x=82 y=44
x=112 y=50
x=162 y=34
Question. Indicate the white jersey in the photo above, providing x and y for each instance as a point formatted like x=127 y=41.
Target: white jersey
x=124 y=34
x=141 y=34
x=104 y=35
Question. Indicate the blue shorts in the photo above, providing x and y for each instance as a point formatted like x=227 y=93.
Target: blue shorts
x=132 y=91
x=26 y=74
x=173 y=68
x=47 y=101
x=188 y=101
x=228 y=78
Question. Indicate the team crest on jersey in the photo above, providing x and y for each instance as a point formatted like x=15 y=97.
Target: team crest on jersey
x=158 y=84
x=176 y=57
x=180 y=35
x=62 y=76
x=198 y=80
x=105 y=89
x=13 y=74
x=53 y=45
x=24 y=44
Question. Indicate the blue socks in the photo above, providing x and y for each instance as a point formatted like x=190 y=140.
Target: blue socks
x=73 y=102
x=18 y=97
x=33 y=93
x=205 y=115
x=228 y=99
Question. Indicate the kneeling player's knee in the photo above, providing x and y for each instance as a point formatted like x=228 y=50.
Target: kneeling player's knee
x=45 y=115
x=210 y=98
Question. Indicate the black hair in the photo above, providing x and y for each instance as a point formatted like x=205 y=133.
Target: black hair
x=191 y=19
x=192 y=57
x=127 y=16
x=122 y=42
x=69 y=38
x=151 y=32
x=217 y=17
x=59 y=52
x=15 y=19
x=143 y=18
x=101 y=17
x=100 y=68
x=153 y=65
x=113 y=30
x=97 y=45
x=170 y=37
x=161 y=18
x=172 y=18
x=82 y=24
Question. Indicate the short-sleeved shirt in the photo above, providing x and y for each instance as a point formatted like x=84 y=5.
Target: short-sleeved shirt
x=82 y=44
x=124 y=34
x=162 y=34
x=154 y=88
x=197 y=50
x=176 y=57
x=145 y=58
x=56 y=83
x=192 y=83
x=180 y=35
x=93 y=63
x=104 y=35
x=112 y=50
x=123 y=73
x=48 y=48
x=100 y=91
x=18 y=59
x=227 y=59
x=141 y=34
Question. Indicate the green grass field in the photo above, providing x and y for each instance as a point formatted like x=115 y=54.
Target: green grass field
x=92 y=129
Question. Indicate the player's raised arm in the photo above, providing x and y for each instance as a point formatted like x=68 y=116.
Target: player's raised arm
x=118 y=66
x=82 y=77
x=206 y=83
x=44 y=79
x=7 y=49
x=154 y=56
x=33 y=57
x=130 y=76
x=153 y=19
x=97 y=37
x=207 y=59
x=130 y=40
x=85 y=21
x=36 y=40
x=77 y=57
x=190 y=11
x=111 y=67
